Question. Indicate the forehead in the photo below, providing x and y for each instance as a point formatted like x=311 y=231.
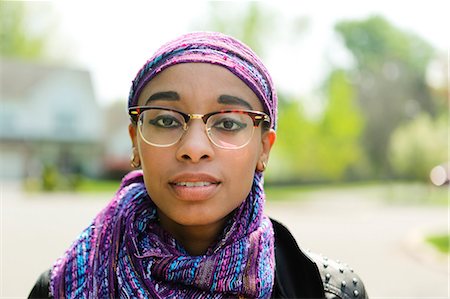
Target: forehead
x=192 y=80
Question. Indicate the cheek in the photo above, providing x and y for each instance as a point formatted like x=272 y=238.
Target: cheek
x=242 y=169
x=151 y=160
x=153 y=163
x=244 y=164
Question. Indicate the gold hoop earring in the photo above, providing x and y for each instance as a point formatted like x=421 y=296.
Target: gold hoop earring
x=133 y=163
x=264 y=165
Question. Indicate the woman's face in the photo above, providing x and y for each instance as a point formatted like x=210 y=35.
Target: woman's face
x=194 y=182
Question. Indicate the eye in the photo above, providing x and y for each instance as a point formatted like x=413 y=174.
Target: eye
x=229 y=124
x=165 y=121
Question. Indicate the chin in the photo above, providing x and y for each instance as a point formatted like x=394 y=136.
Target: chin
x=197 y=221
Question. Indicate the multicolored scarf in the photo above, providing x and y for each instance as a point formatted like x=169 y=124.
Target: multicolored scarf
x=126 y=253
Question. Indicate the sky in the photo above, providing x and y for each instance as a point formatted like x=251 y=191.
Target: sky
x=114 y=39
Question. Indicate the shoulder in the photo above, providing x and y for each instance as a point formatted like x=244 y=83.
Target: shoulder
x=296 y=275
x=338 y=279
x=41 y=288
x=301 y=274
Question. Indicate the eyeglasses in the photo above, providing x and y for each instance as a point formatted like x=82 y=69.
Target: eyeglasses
x=229 y=129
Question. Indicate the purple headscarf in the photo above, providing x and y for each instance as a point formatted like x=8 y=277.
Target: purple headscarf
x=215 y=48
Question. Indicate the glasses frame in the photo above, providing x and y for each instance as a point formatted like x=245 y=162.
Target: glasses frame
x=257 y=117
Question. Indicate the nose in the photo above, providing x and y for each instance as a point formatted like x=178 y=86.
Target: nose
x=195 y=145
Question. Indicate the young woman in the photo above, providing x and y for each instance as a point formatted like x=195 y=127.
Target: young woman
x=190 y=222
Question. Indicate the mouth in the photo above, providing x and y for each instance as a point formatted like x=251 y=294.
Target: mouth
x=194 y=187
x=194 y=184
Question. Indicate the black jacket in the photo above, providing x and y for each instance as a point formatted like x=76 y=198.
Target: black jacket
x=297 y=274
x=301 y=274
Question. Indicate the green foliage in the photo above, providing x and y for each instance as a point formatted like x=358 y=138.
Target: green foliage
x=18 y=38
x=324 y=149
x=98 y=186
x=51 y=179
x=294 y=148
x=418 y=146
x=252 y=22
x=375 y=41
x=340 y=129
x=441 y=242
x=389 y=77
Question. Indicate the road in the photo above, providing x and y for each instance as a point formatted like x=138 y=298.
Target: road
x=380 y=241
x=383 y=243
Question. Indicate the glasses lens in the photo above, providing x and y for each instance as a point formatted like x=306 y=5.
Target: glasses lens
x=230 y=129
x=161 y=127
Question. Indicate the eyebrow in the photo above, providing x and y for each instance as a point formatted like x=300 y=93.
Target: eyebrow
x=232 y=100
x=174 y=96
x=164 y=95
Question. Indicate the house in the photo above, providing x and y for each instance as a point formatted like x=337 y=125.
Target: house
x=117 y=143
x=48 y=117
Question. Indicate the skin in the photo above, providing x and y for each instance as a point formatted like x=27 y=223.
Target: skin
x=195 y=216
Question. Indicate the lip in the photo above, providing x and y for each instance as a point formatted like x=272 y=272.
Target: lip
x=194 y=186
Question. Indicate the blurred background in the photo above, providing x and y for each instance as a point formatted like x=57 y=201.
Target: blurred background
x=360 y=169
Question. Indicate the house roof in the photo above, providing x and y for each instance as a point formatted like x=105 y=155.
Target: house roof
x=17 y=77
x=47 y=102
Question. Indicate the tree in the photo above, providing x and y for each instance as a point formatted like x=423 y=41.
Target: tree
x=19 y=40
x=390 y=79
x=418 y=146
x=252 y=22
x=293 y=156
x=340 y=130
x=323 y=149
x=246 y=27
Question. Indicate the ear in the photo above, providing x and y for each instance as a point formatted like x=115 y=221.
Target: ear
x=268 y=139
x=134 y=157
x=132 y=130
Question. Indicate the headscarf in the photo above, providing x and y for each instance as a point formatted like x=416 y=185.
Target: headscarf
x=126 y=253
x=214 y=48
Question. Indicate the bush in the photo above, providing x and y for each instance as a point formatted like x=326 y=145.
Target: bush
x=440 y=242
x=418 y=146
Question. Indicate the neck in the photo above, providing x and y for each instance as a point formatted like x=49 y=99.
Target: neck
x=196 y=239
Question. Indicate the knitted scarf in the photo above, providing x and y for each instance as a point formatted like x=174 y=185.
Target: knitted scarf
x=126 y=253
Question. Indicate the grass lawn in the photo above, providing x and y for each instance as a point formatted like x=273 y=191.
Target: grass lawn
x=416 y=193
x=103 y=186
x=440 y=242
x=402 y=193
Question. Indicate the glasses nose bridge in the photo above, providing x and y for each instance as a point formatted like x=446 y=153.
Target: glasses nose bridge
x=203 y=117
